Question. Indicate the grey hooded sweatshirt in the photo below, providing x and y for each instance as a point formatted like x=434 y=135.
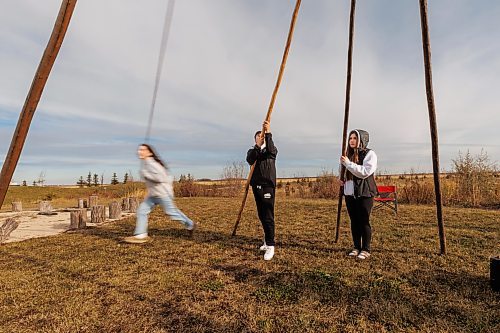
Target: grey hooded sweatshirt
x=159 y=181
x=363 y=183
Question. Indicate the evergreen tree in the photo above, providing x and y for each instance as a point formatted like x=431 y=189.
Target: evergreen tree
x=24 y=183
x=89 y=179
x=114 y=179
x=81 y=182
x=125 y=178
x=96 y=179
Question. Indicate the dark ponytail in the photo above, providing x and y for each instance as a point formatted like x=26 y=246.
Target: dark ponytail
x=155 y=156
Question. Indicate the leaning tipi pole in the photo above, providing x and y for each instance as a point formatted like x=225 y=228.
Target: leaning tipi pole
x=432 y=120
x=271 y=106
x=34 y=95
x=346 y=112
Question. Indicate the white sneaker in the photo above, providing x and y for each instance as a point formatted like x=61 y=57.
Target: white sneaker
x=269 y=253
x=364 y=255
x=354 y=253
x=263 y=247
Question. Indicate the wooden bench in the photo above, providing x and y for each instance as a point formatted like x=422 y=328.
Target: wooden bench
x=387 y=197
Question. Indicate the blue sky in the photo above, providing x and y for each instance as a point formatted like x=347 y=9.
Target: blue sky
x=220 y=69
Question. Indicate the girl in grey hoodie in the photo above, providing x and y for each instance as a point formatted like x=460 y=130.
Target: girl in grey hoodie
x=160 y=191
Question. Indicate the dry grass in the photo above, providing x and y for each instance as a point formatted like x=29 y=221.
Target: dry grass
x=91 y=282
x=64 y=197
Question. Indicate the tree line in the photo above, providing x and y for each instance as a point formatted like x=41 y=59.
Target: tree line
x=96 y=180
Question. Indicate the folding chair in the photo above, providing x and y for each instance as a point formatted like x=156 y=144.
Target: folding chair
x=387 y=197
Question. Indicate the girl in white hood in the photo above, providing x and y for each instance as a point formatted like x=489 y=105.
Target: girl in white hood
x=160 y=191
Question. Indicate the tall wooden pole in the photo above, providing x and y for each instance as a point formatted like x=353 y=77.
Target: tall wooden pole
x=34 y=95
x=161 y=57
x=271 y=106
x=432 y=120
x=346 y=112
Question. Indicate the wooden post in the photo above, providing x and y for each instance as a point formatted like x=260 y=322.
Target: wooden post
x=78 y=219
x=432 y=121
x=34 y=95
x=80 y=203
x=45 y=207
x=271 y=106
x=6 y=229
x=93 y=200
x=125 y=204
x=74 y=219
x=346 y=113
x=115 y=210
x=98 y=214
x=17 y=206
x=133 y=203
x=83 y=218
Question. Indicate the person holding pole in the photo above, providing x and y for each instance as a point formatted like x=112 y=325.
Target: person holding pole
x=160 y=191
x=263 y=184
x=359 y=190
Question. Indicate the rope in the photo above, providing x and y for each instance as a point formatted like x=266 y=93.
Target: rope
x=161 y=58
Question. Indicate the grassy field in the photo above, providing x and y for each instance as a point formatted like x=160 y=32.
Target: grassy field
x=88 y=281
x=65 y=197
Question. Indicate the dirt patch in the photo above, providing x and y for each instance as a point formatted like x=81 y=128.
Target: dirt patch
x=34 y=225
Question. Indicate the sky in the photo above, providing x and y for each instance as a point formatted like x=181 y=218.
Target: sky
x=221 y=64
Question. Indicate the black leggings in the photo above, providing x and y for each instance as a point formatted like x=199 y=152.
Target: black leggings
x=359 y=211
x=264 y=199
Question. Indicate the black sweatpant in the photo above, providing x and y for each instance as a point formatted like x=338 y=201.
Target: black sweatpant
x=264 y=199
x=359 y=211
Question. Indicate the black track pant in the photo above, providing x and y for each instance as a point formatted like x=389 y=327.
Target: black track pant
x=264 y=199
x=359 y=211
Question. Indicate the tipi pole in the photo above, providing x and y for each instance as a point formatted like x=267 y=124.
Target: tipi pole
x=161 y=57
x=34 y=95
x=432 y=120
x=271 y=106
x=346 y=113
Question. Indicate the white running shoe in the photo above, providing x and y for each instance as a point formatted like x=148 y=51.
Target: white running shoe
x=269 y=253
x=353 y=253
x=364 y=255
x=263 y=247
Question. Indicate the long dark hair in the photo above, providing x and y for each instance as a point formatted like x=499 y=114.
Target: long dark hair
x=352 y=155
x=155 y=155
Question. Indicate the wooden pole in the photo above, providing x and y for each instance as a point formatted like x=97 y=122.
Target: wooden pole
x=346 y=112
x=93 y=200
x=34 y=95
x=133 y=204
x=98 y=214
x=163 y=46
x=115 y=210
x=432 y=120
x=271 y=106
x=45 y=207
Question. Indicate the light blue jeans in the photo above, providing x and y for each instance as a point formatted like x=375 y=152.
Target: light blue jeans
x=168 y=205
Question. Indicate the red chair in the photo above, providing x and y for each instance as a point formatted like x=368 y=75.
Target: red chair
x=387 y=197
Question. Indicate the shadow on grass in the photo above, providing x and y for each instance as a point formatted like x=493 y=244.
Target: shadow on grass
x=207 y=236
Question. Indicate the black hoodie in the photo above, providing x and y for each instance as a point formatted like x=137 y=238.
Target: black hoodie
x=265 y=169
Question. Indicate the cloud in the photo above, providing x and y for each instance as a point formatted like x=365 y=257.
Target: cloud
x=221 y=66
